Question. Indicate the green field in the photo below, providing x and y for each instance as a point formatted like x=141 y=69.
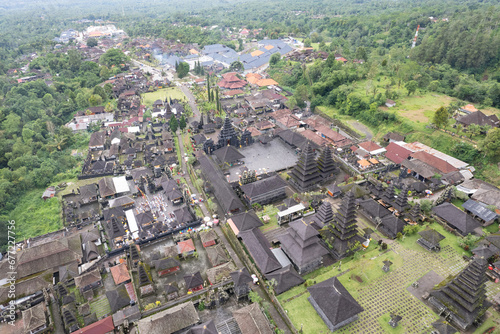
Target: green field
x=34 y=216
x=162 y=94
x=369 y=285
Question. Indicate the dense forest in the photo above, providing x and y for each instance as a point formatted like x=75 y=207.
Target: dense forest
x=457 y=54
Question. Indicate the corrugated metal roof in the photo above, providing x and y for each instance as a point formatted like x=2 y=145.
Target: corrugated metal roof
x=480 y=210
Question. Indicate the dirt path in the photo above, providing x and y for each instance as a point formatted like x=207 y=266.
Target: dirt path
x=362 y=128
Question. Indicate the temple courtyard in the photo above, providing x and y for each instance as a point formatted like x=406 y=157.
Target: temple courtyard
x=381 y=293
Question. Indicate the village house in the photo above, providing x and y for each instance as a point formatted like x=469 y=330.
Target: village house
x=120 y=274
x=241 y=278
x=244 y=221
x=167 y=266
x=186 y=248
x=35 y=319
x=251 y=320
x=208 y=238
x=216 y=255
x=171 y=320
x=194 y=282
x=88 y=281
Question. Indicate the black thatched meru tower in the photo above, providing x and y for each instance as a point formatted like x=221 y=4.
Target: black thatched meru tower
x=326 y=165
x=228 y=135
x=344 y=227
x=325 y=213
x=462 y=299
x=305 y=175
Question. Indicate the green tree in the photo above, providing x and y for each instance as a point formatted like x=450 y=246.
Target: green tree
x=182 y=123
x=173 y=124
x=91 y=42
x=98 y=90
x=275 y=58
x=411 y=86
x=474 y=130
x=12 y=124
x=182 y=69
x=307 y=42
x=95 y=100
x=104 y=73
x=208 y=87
x=114 y=57
x=491 y=144
x=300 y=96
x=255 y=297
x=440 y=118
x=426 y=205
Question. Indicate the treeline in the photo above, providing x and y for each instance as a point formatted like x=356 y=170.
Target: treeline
x=470 y=41
x=35 y=147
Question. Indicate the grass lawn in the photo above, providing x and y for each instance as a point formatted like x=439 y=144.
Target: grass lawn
x=161 y=94
x=368 y=268
x=410 y=242
x=34 y=216
x=324 y=273
x=458 y=203
x=271 y=211
x=384 y=323
x=493 y=228
x=100 y=307
x=490 y=322
x=304 y=316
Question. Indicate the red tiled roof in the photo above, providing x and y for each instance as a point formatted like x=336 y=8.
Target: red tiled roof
x=233 y=92
x=289 y=121
x=369 y=146
x=312 y=136
x=396 y=153
x=253 y=131
x=120 y=273
x=443 y=166
x=102 y=326
x=186 y=246
x=330 y=134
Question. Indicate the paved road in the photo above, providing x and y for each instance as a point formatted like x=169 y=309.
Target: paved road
x=192 y=103
x=155 y=71
x=361 y=127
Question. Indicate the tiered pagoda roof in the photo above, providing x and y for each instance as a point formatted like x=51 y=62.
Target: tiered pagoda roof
x=326 y=165
x=143 y=276
x=344 y=227
x=401 y=202
x=134 y=253
x=389 y=194
x=378 y=189
x=415 y=211
x=301 y=244
x=228 y=135
x=462 y=299
x=324 y=216
x=305 y=175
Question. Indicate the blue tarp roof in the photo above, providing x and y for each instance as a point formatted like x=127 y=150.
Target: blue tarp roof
x=224 y=54
x=480 y=210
